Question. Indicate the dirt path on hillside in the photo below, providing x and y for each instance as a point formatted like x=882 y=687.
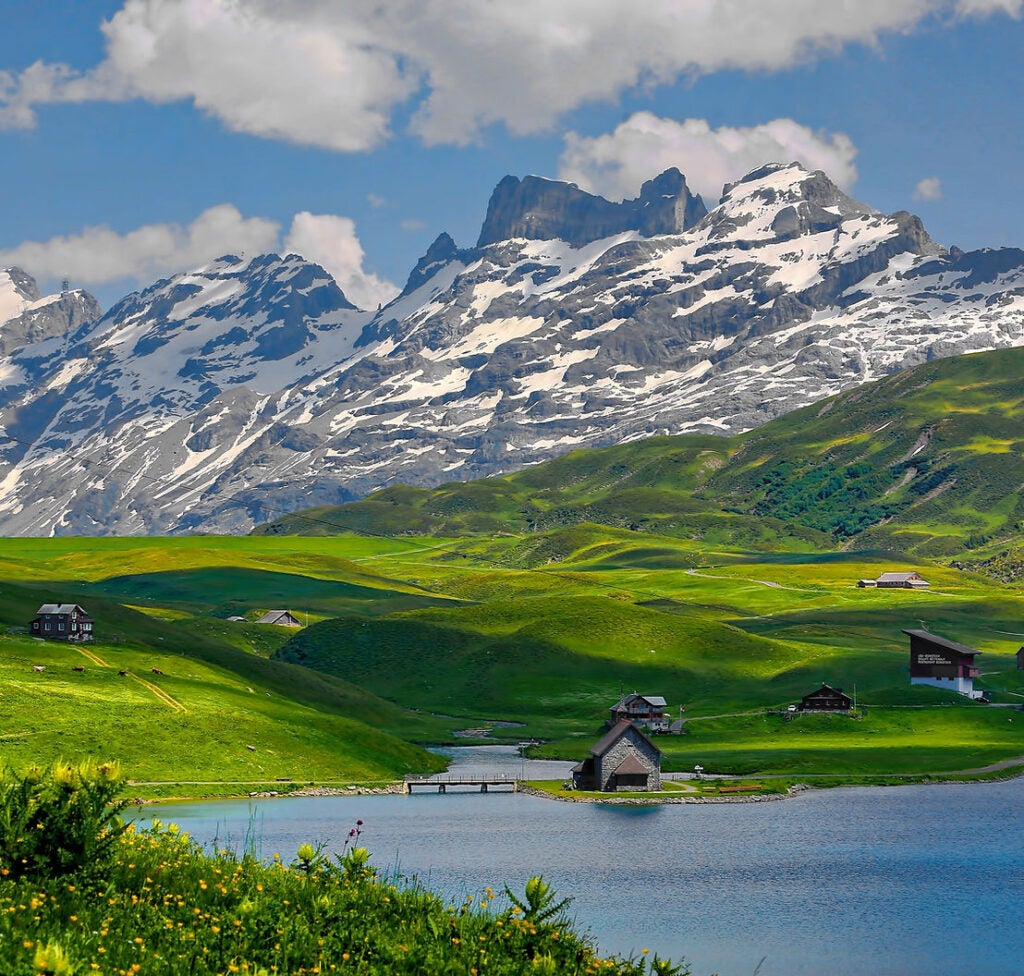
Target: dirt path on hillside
x=157 y=692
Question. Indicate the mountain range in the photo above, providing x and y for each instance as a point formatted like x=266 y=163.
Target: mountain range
x=228 y=396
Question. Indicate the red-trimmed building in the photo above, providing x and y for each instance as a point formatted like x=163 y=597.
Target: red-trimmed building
x=62 y=621
x=942 y=663
x=622 y=759
x=644 y=711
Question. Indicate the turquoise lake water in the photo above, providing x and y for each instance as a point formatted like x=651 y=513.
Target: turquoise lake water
x=908 y=881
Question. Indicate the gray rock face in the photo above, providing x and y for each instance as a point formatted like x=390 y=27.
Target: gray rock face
x=231 y=395
x=27 y=318
x=539 y=210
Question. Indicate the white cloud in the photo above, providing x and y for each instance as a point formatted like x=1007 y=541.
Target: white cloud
x=983 y=8
x=645 y=145
x=930 y=188
x=332 y=243
x=99 y=255
x=331 y=73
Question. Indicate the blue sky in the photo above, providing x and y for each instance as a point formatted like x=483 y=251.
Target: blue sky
x=139 y=138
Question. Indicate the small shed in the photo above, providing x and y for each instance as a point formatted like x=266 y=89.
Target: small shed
x=826 y=699
x=280 y=618
x=62 y=621
x=864 y=583
x=622 y=759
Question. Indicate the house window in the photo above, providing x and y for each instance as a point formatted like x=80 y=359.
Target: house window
x=46 y=626
x=60 y=626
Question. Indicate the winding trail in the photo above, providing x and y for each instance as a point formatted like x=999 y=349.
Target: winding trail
x=157 y=692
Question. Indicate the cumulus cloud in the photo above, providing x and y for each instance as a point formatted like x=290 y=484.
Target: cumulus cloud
x=99 y=255
x=930 y=188
x=615 y=164
x=983 y=8
x=332 y=243
x=332 y=73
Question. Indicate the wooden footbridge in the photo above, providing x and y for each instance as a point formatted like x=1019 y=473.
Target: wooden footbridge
x=483 y=783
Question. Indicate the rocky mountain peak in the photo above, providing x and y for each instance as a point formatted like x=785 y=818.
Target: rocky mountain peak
x=17 y=281
x=28 y=318
x=539 y=209
x=440 y=253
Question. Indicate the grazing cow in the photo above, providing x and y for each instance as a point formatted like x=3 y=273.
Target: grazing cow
x=78 y=667
x=122 y=674
x=38 y=667
x=156 y=671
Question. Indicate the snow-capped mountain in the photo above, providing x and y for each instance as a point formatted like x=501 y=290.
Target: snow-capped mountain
x=241 y=391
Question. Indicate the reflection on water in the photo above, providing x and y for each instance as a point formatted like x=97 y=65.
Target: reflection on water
x=913 y=881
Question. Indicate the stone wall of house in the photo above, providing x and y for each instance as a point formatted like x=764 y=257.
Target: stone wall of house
x=631 y=742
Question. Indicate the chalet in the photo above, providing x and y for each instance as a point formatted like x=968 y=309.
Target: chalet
x=826 y=699
x=902 y=581
x=644 y=711
x=622 y=759
x=280 y=618
x=942 y=663
x=62 y=621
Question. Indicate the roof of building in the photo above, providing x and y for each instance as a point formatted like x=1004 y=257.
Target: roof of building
x=631 y=766
x=942 y=642
x=620 y=728
x=828 y=688
x=273 y=616
x=59 y=608
x=898 y=577
x=655 y=700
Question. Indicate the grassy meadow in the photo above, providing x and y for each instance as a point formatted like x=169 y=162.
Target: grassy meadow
x=718 y=572
x=412 y=639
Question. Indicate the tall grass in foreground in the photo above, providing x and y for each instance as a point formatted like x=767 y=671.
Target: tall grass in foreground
x=152 y=902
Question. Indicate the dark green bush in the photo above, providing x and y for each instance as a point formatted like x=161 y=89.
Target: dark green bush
x=58 y=821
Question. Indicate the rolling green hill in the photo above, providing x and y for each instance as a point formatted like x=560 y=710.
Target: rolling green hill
x=720 y=573
x=220 y=713
x=927 y=462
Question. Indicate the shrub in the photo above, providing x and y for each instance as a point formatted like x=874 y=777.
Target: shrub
x=61 y=820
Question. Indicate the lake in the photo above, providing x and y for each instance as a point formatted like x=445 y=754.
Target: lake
x=907 y=881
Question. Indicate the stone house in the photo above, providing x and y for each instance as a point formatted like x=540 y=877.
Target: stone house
x=622 y=759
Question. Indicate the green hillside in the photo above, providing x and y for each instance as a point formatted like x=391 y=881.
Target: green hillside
x=927 y=462
x=220 y=713
x=719 y=573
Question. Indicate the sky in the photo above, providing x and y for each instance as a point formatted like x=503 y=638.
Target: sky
x=142 y=138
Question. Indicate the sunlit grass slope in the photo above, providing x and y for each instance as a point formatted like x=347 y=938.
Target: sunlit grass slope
x=220 y=711
x=926 y=462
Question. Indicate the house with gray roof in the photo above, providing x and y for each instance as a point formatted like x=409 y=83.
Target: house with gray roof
x=902 y=581
x=644 y=711
x=622 y=759
x=62 y=621
x=280 y=618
